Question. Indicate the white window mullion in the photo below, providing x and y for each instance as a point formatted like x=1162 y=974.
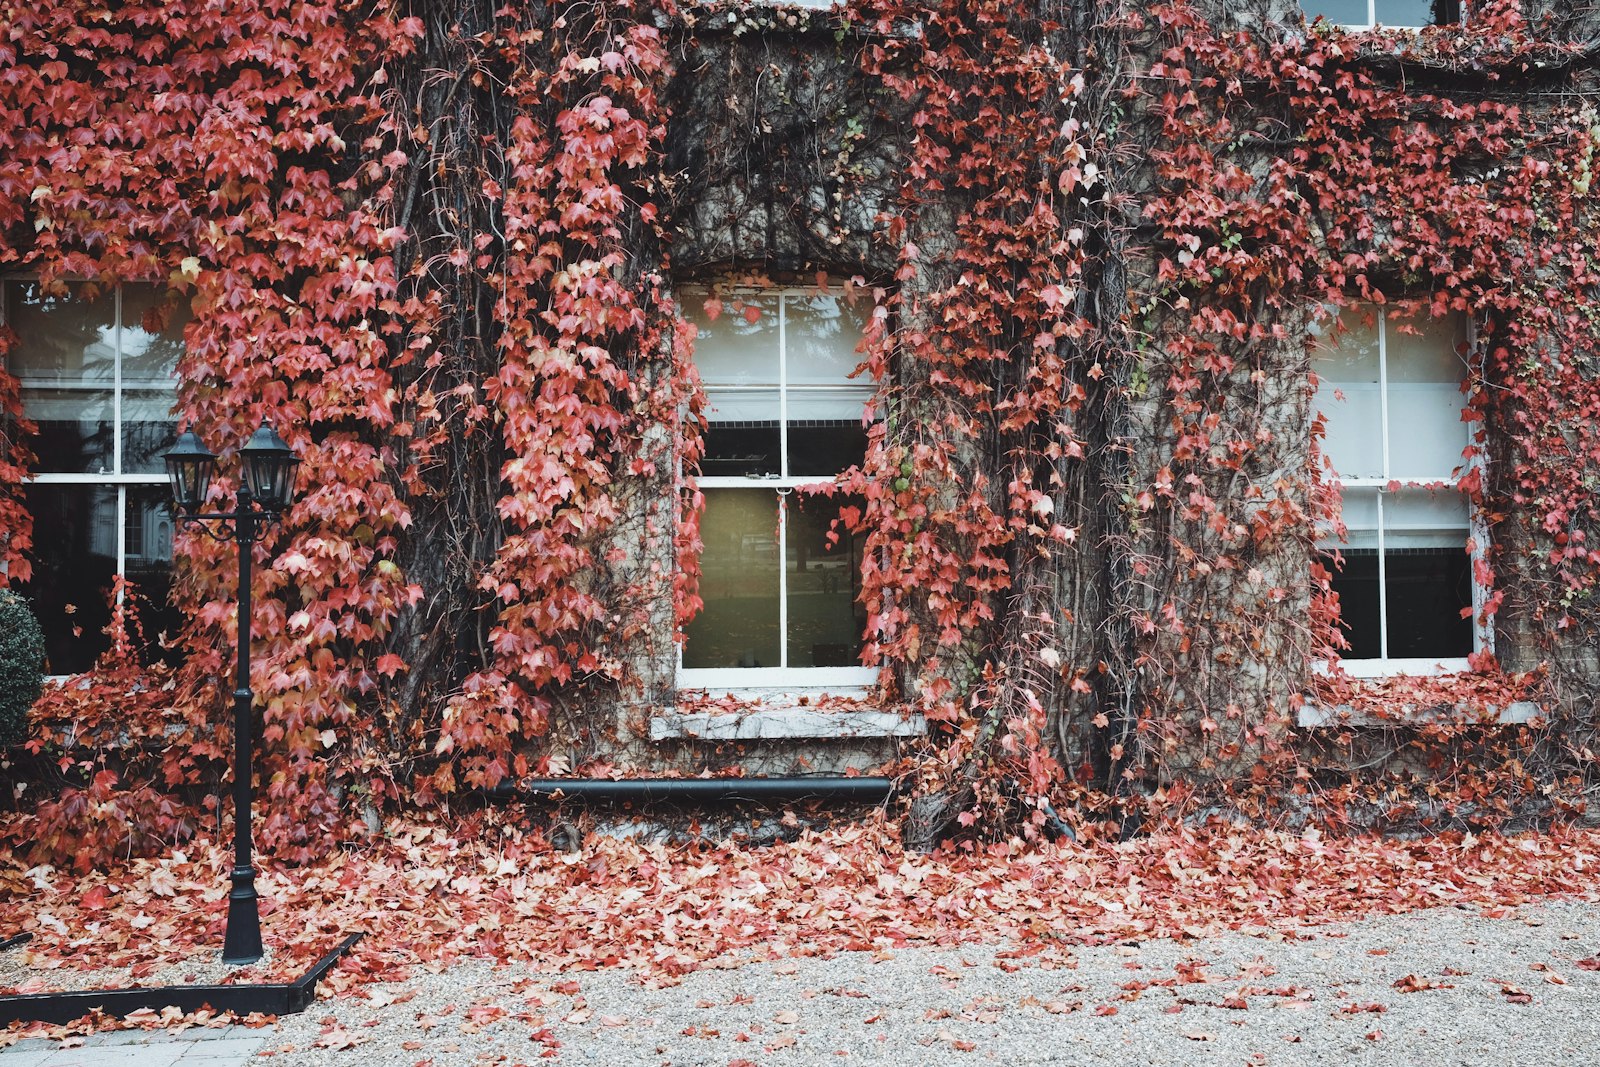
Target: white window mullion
x=783 y=472
x=1383 y=585
x=116 y=400
x=121 y=520
x=1383 y=397
x=1383 y=441
x=48 y=478
x=783 y=387
x=783 y=578
x=121 y=516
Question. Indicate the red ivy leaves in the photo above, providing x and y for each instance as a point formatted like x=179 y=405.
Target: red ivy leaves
x=1368 y=189
x=246 y=159
x=204 y=150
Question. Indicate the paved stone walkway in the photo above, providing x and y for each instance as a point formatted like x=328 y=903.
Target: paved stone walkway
x=231 y=1046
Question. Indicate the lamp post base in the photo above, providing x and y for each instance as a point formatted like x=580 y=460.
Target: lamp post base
x=242 y=942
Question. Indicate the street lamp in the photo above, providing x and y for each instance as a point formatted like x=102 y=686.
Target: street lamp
x=266 y=482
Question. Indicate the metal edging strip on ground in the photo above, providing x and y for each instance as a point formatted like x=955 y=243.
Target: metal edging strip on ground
x=268 y=998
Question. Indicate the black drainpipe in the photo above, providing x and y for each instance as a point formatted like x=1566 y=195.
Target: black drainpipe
x=698 y=790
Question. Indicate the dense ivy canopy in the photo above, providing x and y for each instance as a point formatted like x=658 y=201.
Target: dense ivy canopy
x=433 y=244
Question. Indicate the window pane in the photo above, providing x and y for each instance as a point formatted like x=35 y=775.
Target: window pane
x=1348 y=396
x=148 y=430
x=61 y=339
x=1405 y=12
x=825 y=402
x=149 y=357
x=75 y=429
x=824 y=447
x=1356 y=582
x=73 y=343
x=1338 y=12
x=825 y=431
x=1352 y=428
x=75 y=557
x=147 y=548
x=1428 y=588
x=1425 y=371
x=1434 y=354
x=1350 y=356
x=1426 y=569
x=1426 y=434
x=742 y=448
x=738 y=627
x=1419 y=518
x=820 y=336
x=734 y=350
x=1358 y=508
x=1427 y=591
x=823 y=565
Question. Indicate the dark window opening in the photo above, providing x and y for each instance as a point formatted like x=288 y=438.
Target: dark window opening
x=1426 y=591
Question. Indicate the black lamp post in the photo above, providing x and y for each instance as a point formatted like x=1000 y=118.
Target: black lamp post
x=266 y=483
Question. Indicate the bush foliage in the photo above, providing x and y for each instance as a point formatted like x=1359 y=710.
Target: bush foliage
x=21 y=666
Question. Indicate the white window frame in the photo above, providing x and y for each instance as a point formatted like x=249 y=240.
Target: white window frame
x=114 y=477
x=1482 y=634
x=772 y=682
x=1372 y=19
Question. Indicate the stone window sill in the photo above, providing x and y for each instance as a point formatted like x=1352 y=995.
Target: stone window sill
x=787 y=716
x=1314 y=716
x=786 y=16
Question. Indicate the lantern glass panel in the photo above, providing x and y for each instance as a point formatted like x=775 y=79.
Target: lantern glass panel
x=268 y=469
x=268 y=478
x=189 y=464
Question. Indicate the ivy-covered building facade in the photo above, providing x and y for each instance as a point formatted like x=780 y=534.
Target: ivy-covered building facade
x=1101 y=402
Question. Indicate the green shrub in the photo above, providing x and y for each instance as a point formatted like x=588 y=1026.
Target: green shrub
x=21 y=666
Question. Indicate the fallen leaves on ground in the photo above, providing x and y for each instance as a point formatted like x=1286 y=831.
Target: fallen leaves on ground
x=434 y=892
x=1515 y=994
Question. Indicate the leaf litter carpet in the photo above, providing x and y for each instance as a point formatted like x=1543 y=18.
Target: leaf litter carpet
x=431 y=894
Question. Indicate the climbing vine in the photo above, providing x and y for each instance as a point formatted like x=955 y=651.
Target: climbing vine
x=439 y=245
x=1423 y=175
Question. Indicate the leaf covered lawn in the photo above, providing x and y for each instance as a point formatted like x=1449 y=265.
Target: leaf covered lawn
x=434 y=892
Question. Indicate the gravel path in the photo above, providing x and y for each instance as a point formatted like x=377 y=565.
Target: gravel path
x=1443 y=987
